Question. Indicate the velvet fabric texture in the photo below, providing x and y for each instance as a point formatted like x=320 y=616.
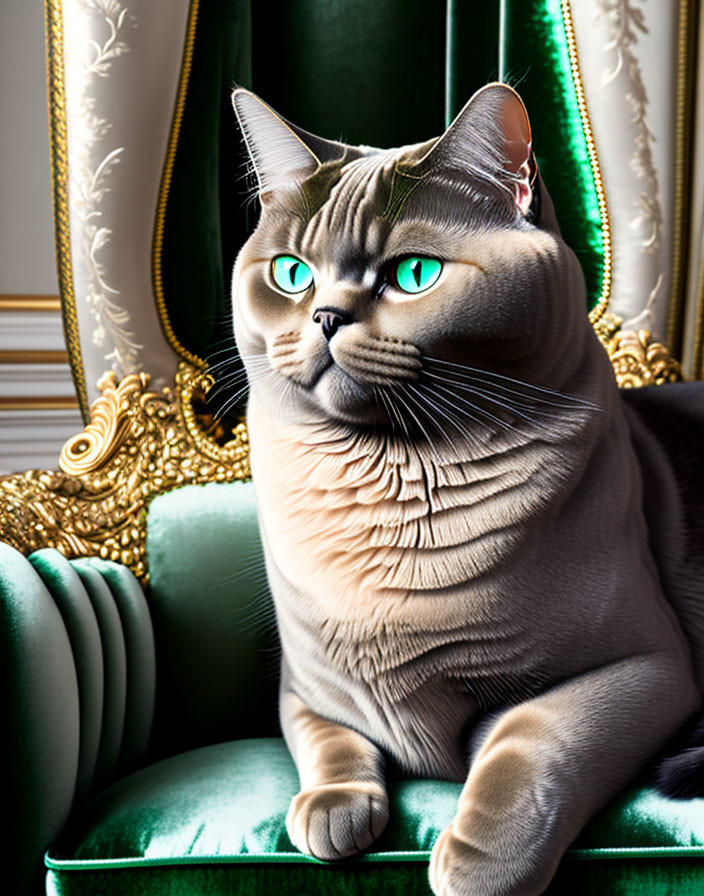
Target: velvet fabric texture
x=215 y=635
x=77 y=657
x=212 y=820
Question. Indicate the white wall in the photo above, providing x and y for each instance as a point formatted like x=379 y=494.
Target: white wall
x=29 y=435
x=27 y=260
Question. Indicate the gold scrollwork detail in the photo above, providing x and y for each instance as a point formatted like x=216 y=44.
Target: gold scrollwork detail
x=138 y=444
x=636 y=358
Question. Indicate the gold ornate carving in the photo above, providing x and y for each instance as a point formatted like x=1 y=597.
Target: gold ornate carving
x=636 y=358
x=137 y=445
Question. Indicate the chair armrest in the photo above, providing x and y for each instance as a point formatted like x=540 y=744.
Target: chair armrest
x=78 y=677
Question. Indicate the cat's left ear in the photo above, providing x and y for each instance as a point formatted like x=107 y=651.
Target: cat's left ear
x=282 y=154
x=491 y=139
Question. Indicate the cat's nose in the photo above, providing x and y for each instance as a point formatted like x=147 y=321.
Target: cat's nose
x=331 y=319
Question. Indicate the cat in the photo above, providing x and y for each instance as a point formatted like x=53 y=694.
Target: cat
x=449 y=500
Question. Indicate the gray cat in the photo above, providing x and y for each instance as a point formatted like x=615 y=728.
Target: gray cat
x=449 y=499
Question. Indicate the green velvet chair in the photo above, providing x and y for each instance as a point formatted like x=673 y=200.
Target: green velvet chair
x=138 y=646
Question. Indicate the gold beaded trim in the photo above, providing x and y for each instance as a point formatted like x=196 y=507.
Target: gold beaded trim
x=600 y=308
x=164 y=187
x=698 y=364
x=685 y=73
x=59 y=182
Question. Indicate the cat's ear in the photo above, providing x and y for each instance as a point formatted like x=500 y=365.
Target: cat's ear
x=282 y=154
x=491 y=139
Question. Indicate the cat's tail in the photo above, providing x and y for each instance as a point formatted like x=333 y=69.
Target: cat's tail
x=680 y=773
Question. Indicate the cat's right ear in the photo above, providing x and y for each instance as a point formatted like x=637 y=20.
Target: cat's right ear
x=282 y=154
x=490 y=139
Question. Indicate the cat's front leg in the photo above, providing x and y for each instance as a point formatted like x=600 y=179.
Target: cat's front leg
x=342 y=806
x=548 y=765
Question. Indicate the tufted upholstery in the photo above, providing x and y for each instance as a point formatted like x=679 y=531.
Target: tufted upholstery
x=78 y=672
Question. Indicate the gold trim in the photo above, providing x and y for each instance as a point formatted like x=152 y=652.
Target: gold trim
x=33 y=356
x=686 y=55
x=636 y=359
x=39 y=403
x=603 y=303
x=699 y=326
x=22 y=302
x=59 y=181
x=137 y=445
x=164 y=186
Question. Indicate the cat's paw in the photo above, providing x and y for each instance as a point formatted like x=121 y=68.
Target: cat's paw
x=450 y=865
x=457 y=868
x=334 y=821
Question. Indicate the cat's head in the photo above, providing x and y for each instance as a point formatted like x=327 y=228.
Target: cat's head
x=372 y=272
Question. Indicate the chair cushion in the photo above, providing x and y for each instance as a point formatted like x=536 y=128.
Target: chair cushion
x=214 y=629
x=212 y=821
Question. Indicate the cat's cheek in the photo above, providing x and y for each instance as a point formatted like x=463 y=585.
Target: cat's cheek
x=265 y=311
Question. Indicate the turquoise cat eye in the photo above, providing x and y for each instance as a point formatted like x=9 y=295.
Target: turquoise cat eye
x=416 y=274
x=291 y=274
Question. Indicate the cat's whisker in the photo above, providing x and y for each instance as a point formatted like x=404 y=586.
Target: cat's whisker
x=420 y=400
x=451 y=417
x=539 y=425
x=456 y=420
x=229 y=379
x=391 y=396
x=524 y=412
x=227 y=386
x=232 y=402
x=233 y=361
x=240 y=371
x=236 y=399
x=430 y=442
x=458 y=413
x=457 y=379
x=224 y=365
x=379 y=400
x=230 y=347
x=532 y=387
x=510 y=407
x=258 y=363
x=234 y=357
x=479 y=410
x=527 y=392
x=252 y=356
x=391 y=410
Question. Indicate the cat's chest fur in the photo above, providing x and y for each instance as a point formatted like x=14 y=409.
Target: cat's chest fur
x=395 y=577
x=394 y=557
